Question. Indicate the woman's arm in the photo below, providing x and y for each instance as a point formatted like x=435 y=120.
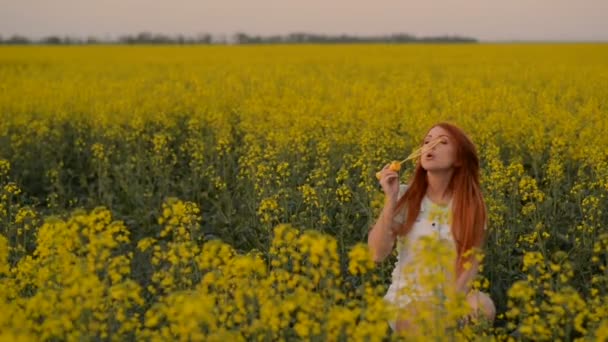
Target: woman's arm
x=464 y=281
x=381 y=237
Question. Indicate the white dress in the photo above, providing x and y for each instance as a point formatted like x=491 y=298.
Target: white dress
x=433 y=221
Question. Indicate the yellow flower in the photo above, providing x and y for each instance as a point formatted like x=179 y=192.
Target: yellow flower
x=360 y=260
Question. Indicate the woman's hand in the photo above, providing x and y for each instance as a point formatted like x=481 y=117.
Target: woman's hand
x=389 y=180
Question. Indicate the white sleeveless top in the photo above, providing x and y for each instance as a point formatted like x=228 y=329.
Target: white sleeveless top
x=435 y=221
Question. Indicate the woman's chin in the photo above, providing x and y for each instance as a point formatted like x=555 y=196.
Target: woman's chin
x=436 y=168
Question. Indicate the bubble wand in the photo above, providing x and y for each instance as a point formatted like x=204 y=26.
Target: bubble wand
x=396 y=165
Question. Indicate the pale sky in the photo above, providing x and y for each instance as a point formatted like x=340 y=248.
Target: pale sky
x=487 y=20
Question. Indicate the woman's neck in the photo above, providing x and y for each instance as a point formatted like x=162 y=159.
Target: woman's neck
x=438 y=182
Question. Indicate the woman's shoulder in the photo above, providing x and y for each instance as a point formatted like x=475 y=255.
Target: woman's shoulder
x=400 y=217
x=402 y=189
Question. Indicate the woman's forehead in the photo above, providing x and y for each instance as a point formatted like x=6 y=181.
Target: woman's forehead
x=436 y=132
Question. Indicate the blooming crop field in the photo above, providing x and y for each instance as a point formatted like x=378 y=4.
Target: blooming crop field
x=226 y=192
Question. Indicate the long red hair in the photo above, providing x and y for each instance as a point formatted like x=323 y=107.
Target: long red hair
x=468 y=207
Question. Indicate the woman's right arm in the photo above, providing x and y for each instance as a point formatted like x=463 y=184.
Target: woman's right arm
x=382 y=237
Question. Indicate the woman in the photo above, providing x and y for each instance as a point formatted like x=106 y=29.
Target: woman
x=443 y=198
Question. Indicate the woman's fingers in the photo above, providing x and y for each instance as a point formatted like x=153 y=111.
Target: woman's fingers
x=387 y=182
x=390 y=176
x=387 y=176
x=380 y=174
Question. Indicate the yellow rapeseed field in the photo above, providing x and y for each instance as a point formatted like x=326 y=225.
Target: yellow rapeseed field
x=226 y=192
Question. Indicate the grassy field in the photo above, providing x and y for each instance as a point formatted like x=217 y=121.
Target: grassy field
x=226 y=192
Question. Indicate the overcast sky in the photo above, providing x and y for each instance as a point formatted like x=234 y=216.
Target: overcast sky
x=487 y=20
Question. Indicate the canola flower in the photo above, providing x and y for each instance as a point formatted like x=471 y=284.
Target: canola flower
x=233 y=187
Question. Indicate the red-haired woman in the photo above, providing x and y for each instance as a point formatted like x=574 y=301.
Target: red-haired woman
x=442 y=198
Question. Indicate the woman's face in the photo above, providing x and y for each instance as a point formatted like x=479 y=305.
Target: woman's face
x=442 y=156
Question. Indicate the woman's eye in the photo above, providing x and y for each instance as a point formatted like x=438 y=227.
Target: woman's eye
x=426 y=142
